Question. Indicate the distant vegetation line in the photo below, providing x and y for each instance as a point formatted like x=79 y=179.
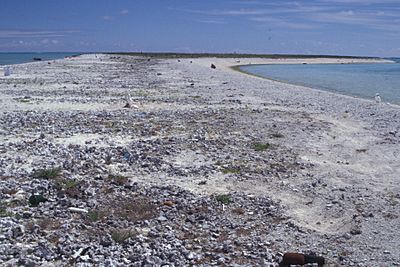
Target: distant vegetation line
x=228 y=55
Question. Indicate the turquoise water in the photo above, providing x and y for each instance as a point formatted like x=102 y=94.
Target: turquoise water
x=361 y=80
x=17 y=58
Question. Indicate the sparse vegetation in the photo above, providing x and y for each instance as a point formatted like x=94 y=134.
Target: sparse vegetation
x=239 y=211
x=48 y=224
x=261 y=146
x=243 y=231
x=120 y=236
x=118 y=179
x=3 y=210
x=69 y=186
x=47 y=173
x=224 y=199
x=35 y=200
x=141 y=93
x=69 y=183
x=133 y=209
x=230 y=171
x=95 y=215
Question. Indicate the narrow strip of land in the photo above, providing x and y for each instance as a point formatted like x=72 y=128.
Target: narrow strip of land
x=175 y=161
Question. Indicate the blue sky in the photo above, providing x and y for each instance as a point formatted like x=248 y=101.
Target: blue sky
x=345 y=27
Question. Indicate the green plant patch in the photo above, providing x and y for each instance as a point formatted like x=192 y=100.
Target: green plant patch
x=3 y=210
x=120 y=236
x=95 y=215
x=230 y=171
x=35 y=200
x=69 y=184
x=224 y=199
x=47 y=173
x=261 y=146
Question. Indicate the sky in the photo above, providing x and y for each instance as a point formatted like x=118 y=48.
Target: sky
x=335 y=27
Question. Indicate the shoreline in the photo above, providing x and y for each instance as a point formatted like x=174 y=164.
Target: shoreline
x=236 y=160
x=33 y=55
x=237 y=69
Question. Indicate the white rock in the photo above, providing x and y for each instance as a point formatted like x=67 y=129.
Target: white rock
x=78 y=210
x=85 y=257
x=77 y=253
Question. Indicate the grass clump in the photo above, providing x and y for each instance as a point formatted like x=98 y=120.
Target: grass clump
x=118 y=179
x=239 y=211
x=224 y=199
x=120 y=236
x=230 y=171
x=95 y=215
x=35 y=200
x=3 y=210
x=261 y=146
x=47 y=173
x=69 y=184
x=71 y=187
x=48 y=224
x=134 y=209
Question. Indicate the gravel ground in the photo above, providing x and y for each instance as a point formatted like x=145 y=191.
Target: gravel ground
x=124 y=161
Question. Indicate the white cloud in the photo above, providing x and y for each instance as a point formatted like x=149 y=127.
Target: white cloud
x=34 y=33
x=365 y=2
x=211 y=21
x=311 y=14
x=257 y=11
x=281 y=23
x=47 y=41
x=107 y=17
x=125 y=12
x=347 y=13
x=366 y=19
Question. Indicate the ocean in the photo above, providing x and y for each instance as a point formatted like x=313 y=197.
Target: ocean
x=18 y=58
x=360 y=80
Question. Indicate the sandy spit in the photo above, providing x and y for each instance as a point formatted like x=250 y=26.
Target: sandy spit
x=331 y=162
